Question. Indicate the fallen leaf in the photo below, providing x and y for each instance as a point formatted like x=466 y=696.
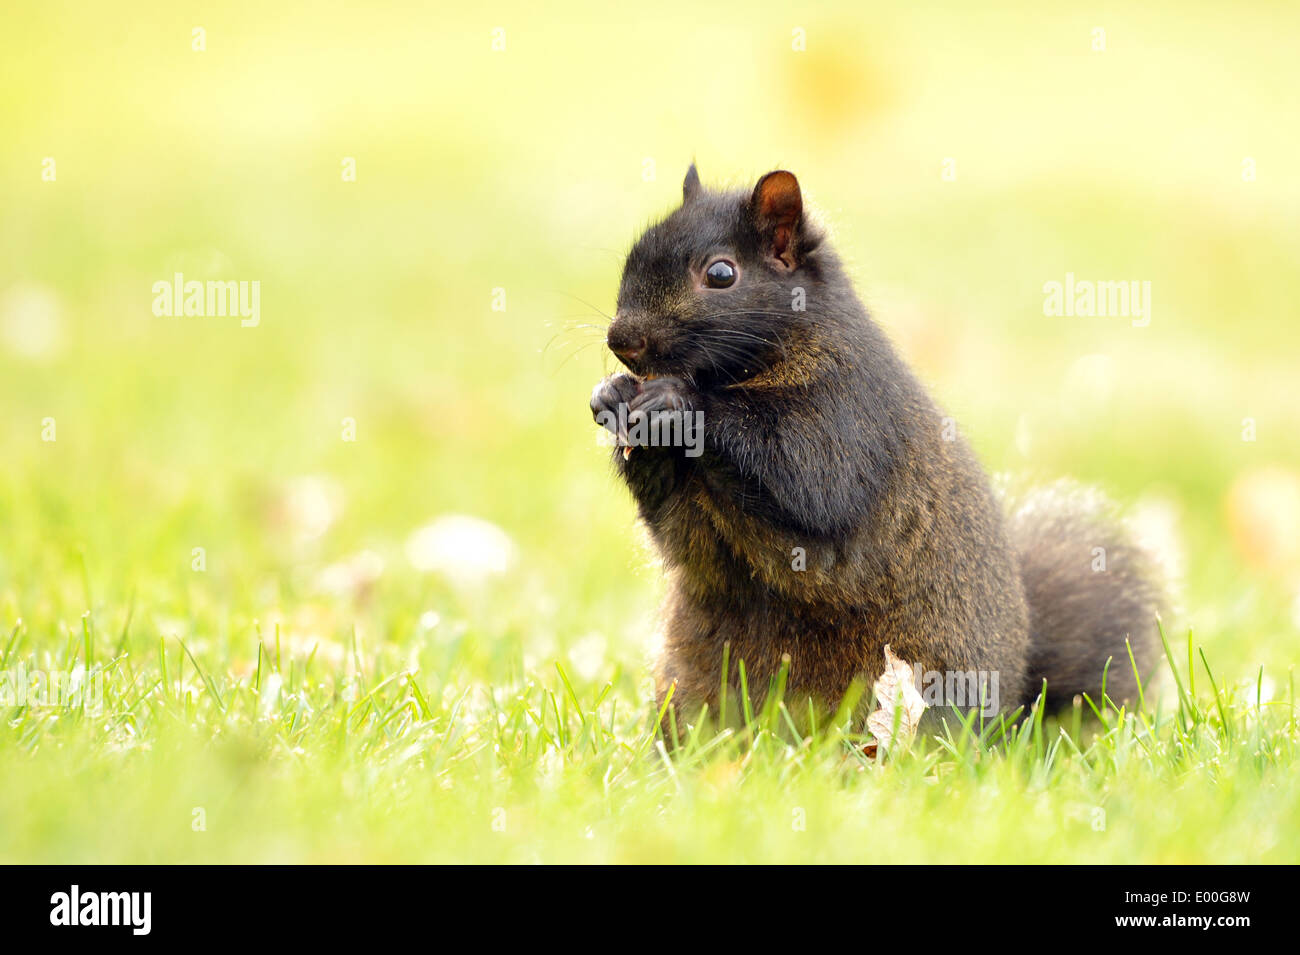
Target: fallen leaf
x=897 y=699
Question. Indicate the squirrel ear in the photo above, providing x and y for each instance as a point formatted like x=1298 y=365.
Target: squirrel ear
x=690 y=185
x=777 y=210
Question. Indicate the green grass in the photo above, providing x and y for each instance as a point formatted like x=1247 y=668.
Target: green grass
x=420 y=694
x=370 y=760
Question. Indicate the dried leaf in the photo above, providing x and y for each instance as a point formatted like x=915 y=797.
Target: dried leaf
x=897 y=700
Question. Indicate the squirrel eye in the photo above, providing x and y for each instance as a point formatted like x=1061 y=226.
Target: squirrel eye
x=721 y=274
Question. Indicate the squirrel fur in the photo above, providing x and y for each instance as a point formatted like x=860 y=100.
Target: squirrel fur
x=831 y=509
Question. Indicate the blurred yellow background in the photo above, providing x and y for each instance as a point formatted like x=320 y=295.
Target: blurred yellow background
x=962 y=159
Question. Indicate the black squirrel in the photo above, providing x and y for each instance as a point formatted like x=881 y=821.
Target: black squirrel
x=827 y=507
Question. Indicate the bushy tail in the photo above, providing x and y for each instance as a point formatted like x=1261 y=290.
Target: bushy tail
x=1090 y=587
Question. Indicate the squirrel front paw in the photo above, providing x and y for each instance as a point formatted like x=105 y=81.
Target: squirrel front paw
x=665 y=415
x=656 y=412
x=610 y=402
x=660 y=395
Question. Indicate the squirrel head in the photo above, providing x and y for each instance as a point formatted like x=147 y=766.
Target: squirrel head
x=714 y=291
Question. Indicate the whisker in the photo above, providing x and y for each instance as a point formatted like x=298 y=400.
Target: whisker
x=577 y=298
x=568 y=357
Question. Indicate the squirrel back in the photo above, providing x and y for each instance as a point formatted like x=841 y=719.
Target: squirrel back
x=827 y=507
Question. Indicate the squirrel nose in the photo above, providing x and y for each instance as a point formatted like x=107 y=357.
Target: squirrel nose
x=628 y=349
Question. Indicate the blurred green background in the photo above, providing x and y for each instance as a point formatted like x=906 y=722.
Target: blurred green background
x=531 y=169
